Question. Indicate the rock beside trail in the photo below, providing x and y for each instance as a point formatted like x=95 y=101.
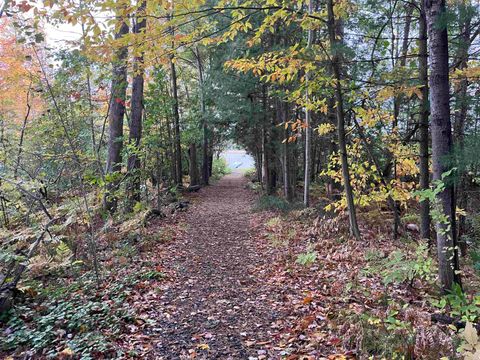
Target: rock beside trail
x=151 y=214
x=178 y=206
x=193 y=188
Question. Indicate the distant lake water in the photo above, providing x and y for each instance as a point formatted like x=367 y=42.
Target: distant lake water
x=238 y=160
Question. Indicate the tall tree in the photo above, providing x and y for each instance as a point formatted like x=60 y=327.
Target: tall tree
x=283 y=115
x=116 y=115
x=176 y=114
x=308 y=130
x=462 y=97
x=193 y=166
x=340 y=114
x=135 y=134
x=442 y=141
x=424 y=125
x=201 y=83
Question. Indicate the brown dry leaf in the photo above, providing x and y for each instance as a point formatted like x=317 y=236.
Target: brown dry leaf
x=307 y=299
x=337 y=357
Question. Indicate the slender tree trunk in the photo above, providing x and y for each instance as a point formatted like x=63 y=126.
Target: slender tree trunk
x=176 y=125
x=91 y=116
x=403 y=59
x=193 y=168
x=171 y=150
x=462 y=100
x=266 y=167
x=396 y=109
x=210 y=161
x=135 y=134
x=22 y=134
x=331 y=186
x=308 y=130
x=170 y=143
x=313 y=158
x=159 y=176
x=205 y=162
x=266 y=144
x=273 y=155
x=424 y=113
x=176 y=116
x=442 y=140
x=342 y=145
x=115 y=118
x=282 y=109
x=258 y=164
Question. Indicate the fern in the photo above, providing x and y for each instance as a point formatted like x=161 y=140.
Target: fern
x=62 y=252
x=307 y=259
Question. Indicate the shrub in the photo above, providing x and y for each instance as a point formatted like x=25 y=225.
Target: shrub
x=274 y=203
x=459 y=305
x=401 y=267
x=251 y=174
x=220 y=168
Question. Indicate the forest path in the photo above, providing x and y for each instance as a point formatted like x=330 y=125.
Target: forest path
x=217 y=307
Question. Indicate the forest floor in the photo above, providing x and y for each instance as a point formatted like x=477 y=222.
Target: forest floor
x=228 y=279
x=235 y=288
x=217 y=305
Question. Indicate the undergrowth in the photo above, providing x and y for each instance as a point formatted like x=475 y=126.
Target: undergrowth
x=77 y=319
x=74 y=316
x=402 y=267
x=274 y=203
x=220 y=168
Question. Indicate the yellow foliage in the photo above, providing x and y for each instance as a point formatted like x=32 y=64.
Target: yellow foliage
x=388 y=92
x=367 y=184
x=324 y=129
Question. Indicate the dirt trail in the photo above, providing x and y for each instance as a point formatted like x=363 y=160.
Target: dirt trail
x=217 y=306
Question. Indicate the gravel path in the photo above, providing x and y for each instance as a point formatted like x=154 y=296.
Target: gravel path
x=217 y=307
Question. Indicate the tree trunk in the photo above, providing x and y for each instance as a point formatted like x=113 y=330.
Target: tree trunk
x=461 y=101
x=193 y=168
x=397 y=102
x=115 y=118
x=135 y=134
x=331 y=186
x=266 y=145
x=308 y=130
x=441 y=141
x=334 y=44
x=22 y=133
x=403 y=59
x=424 y=113
x=266 y=167
x=258 y=164
x=205 y=170
x=282 y=110
x=176 y=114
x=210 y=162
x=171 y=150
x=176 y=126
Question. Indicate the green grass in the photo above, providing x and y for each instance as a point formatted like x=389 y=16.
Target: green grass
x=274 y=203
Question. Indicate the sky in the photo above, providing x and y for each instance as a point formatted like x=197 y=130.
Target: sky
x=61 y=35
x=58 y=35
